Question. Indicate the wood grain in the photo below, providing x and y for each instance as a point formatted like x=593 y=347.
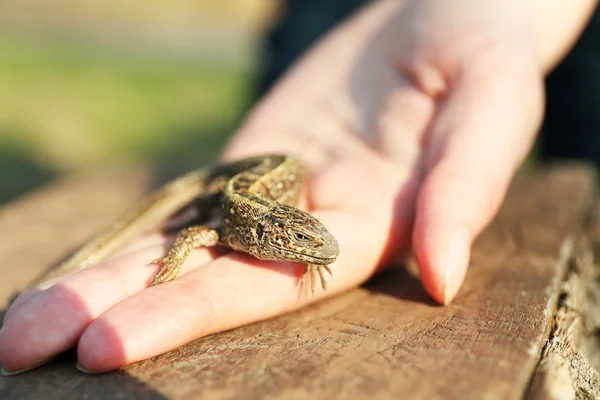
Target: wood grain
x=383 y=340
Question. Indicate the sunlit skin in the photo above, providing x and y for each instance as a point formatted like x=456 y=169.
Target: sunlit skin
x=412 y=117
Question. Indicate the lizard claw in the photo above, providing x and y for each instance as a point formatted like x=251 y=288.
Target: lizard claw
x=313 y=270
x=168 y=272
x=189 y=238
x=160 y=260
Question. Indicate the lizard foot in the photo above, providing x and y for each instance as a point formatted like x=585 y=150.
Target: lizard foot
x=169 y=271
x=187 y=239
x=313 y=270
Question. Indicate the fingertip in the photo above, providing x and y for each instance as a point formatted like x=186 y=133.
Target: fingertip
x=100 y=349
x=443 y=258
x=459 y=251
x=448 y=217
x=431 y=267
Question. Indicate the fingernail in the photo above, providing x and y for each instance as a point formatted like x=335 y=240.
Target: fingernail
x=459 y=249
x=5 y=372
x=87 y=371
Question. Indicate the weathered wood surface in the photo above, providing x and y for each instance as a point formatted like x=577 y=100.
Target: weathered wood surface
x=383 y=340
x=570 y=361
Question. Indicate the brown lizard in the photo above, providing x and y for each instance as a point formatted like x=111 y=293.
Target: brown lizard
x=256 y=197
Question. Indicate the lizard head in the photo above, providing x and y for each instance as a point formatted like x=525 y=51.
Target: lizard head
x=294 y=235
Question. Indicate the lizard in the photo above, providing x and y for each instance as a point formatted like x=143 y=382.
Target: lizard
x=257 y=198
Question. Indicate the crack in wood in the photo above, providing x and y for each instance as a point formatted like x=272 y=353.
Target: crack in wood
x=566 y=369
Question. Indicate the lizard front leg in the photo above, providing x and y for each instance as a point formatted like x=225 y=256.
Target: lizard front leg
x=312 y=270
x=187 y=239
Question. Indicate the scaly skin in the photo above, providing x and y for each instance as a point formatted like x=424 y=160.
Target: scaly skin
x=257 y=197
x=259 y=219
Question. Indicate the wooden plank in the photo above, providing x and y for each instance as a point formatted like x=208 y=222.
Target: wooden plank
x=383 y=340
x=570 y=360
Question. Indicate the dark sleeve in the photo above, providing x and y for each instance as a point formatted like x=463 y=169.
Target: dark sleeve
x=571 y=126
x=301 y=24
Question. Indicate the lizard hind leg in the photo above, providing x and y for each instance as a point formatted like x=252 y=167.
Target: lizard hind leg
x=187 y=239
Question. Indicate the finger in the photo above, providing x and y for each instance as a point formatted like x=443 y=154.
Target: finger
x=232 y=291
x=51 y=321
x=484 y=130
x=21 y=299
x=144 y=242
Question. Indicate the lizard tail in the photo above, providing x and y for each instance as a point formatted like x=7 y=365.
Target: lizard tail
x=151 y=210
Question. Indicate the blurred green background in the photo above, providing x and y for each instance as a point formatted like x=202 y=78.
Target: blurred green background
x=86 y=84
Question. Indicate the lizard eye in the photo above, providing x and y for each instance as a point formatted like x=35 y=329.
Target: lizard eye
x=300 y=236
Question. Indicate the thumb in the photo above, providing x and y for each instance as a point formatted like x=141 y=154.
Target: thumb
x=484 y=129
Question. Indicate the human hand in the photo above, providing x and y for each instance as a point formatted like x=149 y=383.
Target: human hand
x=412 y=117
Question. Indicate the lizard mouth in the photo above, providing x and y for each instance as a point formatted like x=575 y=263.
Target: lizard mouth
x=297 y=256
x=320 y=260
